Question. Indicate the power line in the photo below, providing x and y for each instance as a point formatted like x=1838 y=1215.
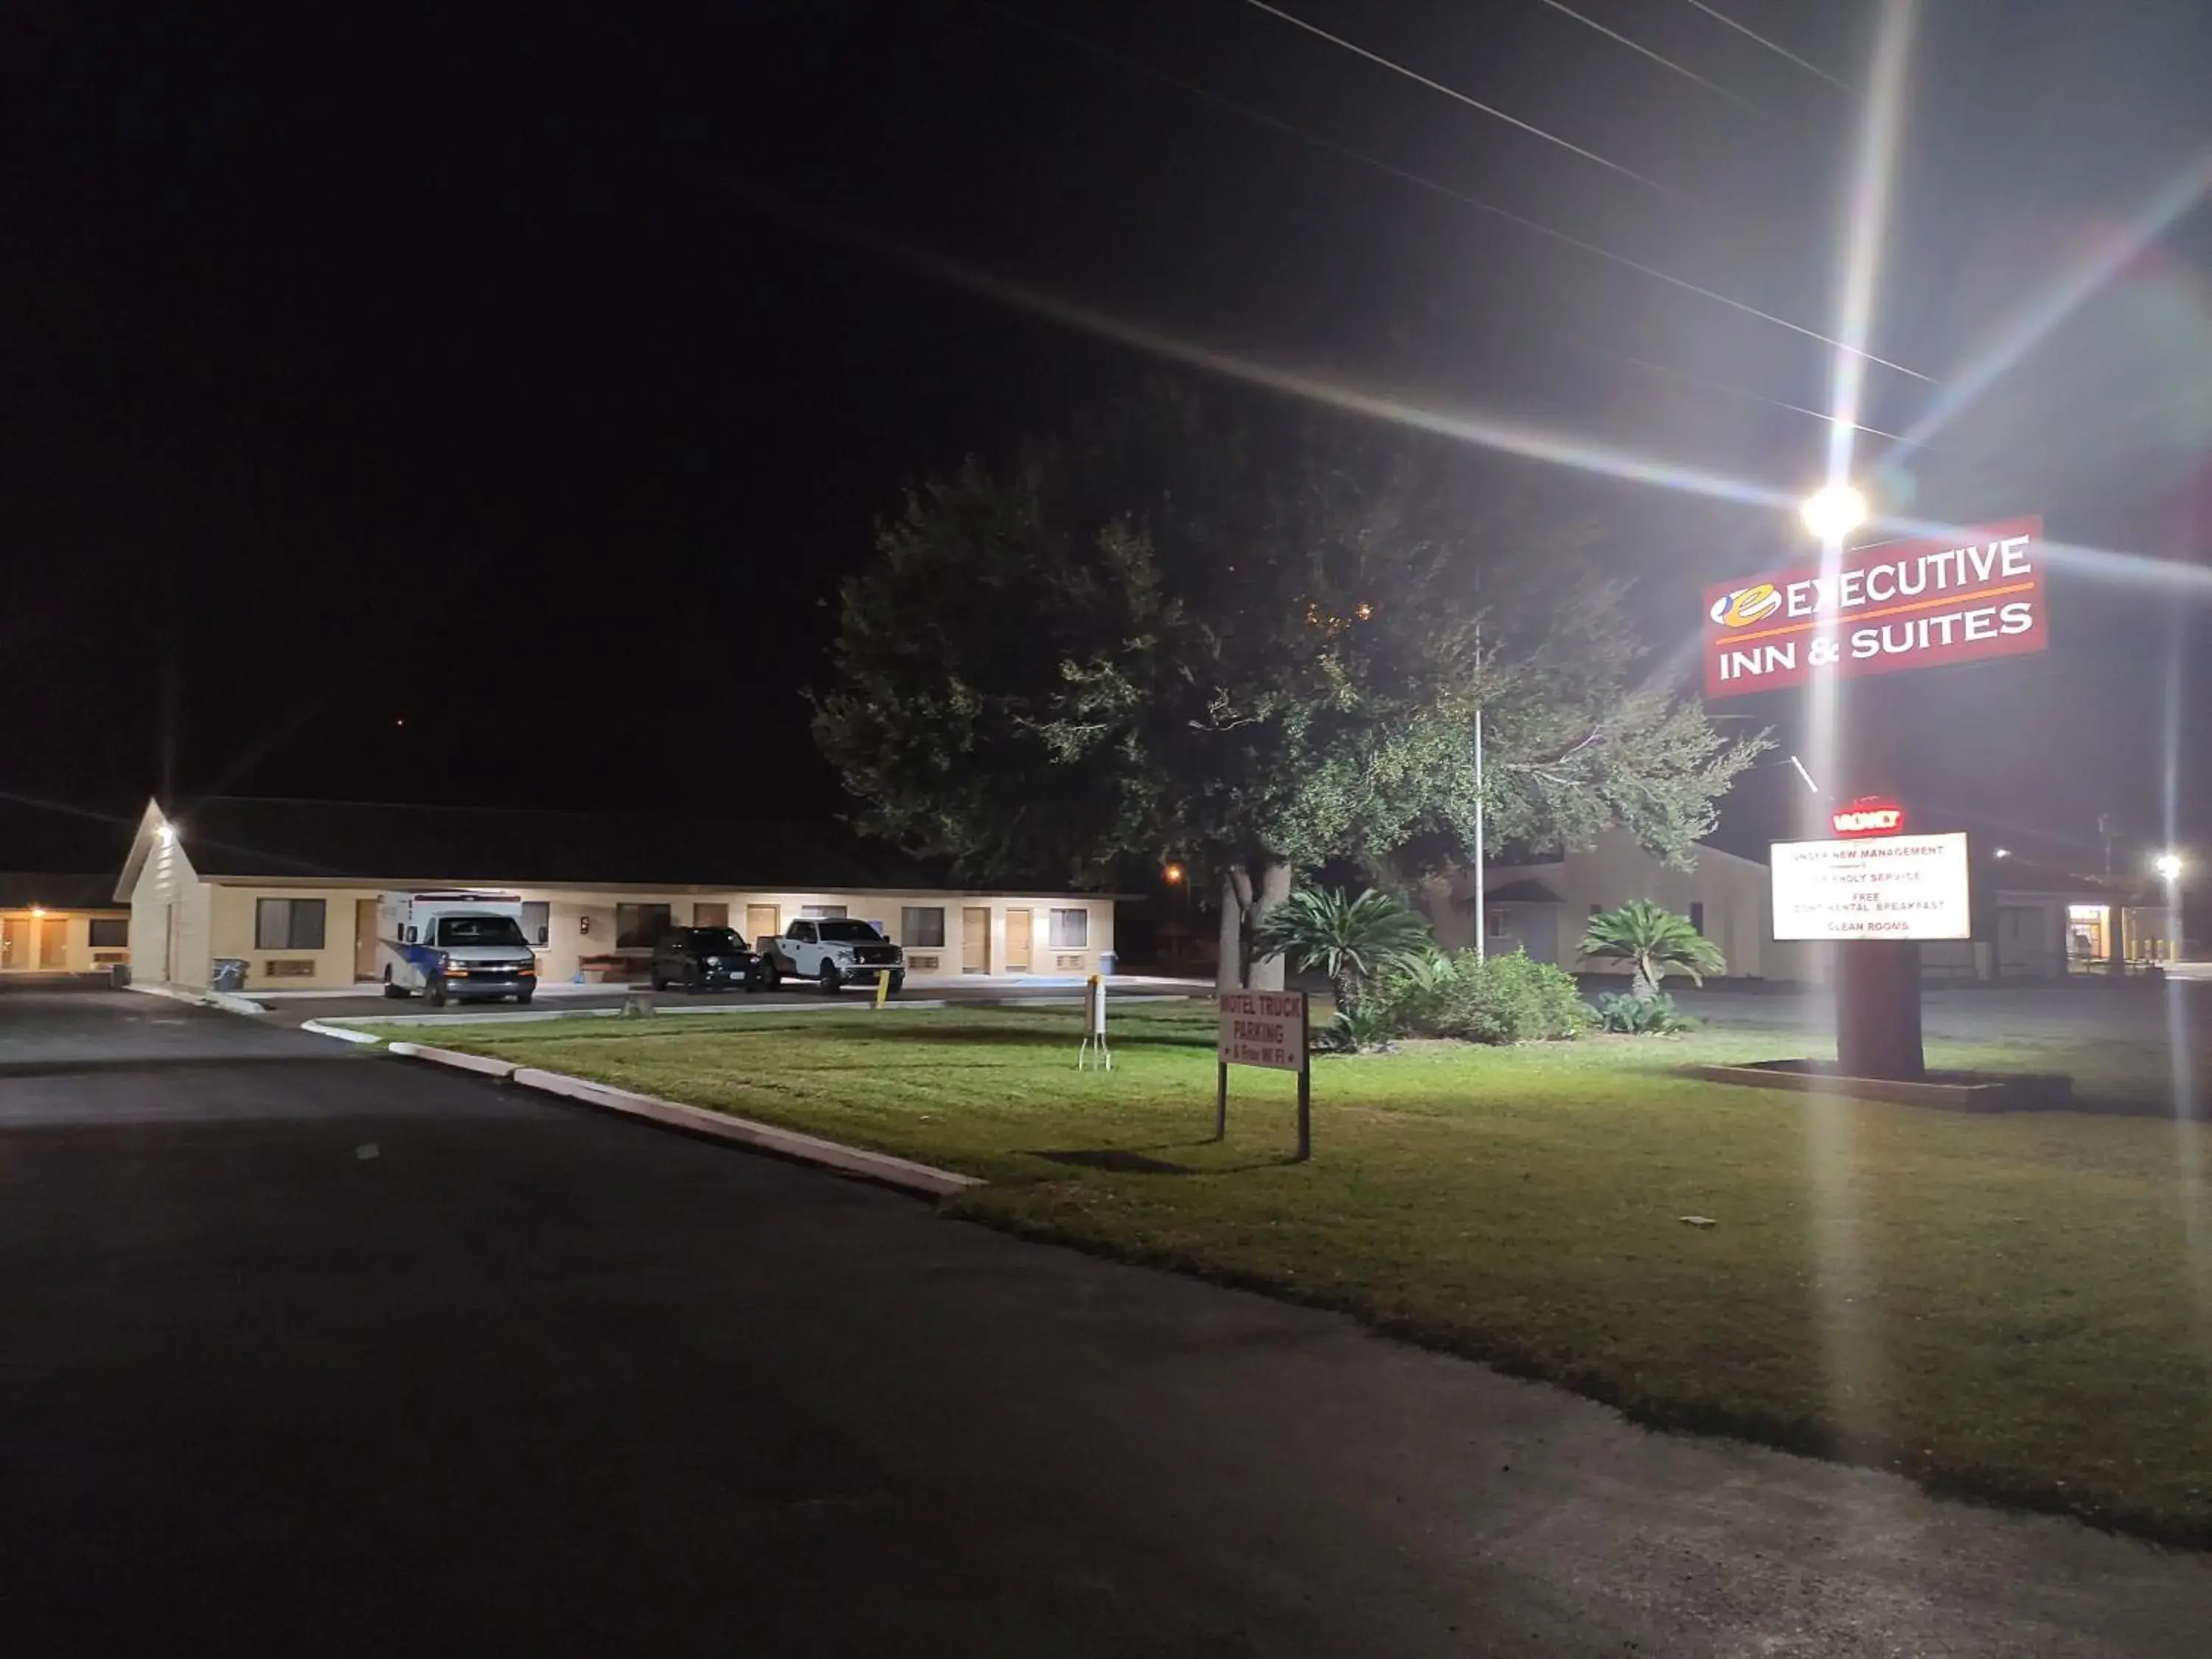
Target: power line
x=1454 y=94
x=1646 y=51
x=1138 y=66
x=1783 y=52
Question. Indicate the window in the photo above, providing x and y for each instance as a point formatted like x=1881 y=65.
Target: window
x=538 y=922
x=1496 y=918
x=802 y=932
x=923 y=924
x=1697 y=914
x=286 y=924
x=109 y=932
x=823 y=912
x=479 y=930
x=639 y=927
x=849 y=933
x=1071 y=930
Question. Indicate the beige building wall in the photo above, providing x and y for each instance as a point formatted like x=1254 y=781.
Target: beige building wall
x=26 y=938
x=169 y=921
x=233 y=918
x=581 y=924
x=1734 y=893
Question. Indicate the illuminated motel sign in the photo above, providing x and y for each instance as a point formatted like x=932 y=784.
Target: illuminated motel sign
x=1869 y=815
x=1888 y=608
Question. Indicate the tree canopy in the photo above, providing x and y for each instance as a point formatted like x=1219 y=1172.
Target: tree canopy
x=1256 y=640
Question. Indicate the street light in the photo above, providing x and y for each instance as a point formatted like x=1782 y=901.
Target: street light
x=2168 y=865
x=1833 y=512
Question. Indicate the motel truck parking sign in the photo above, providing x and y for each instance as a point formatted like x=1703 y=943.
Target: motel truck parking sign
x=1900 y=605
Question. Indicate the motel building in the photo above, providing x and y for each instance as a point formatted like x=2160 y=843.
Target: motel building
x=291 y=889
x=61 y=924
x=2048 y=923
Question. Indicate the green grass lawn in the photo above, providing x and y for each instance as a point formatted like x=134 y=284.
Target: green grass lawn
x=2005 y=1306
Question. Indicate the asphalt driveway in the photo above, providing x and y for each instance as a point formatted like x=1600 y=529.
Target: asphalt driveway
x=309 y=1351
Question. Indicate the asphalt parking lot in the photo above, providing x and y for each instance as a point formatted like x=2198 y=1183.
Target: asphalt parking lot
x=306 y=1350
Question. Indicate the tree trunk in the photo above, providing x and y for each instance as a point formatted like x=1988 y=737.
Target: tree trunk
x=1267 y=973
x=1228 y=973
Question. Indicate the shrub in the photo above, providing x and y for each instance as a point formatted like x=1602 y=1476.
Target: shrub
x=1355 y=941
x=1504 y=999
x=1634 y=1016
x=1654 y=942
x=1357 y=1030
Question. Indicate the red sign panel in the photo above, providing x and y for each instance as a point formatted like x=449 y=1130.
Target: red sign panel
x=1868 y=815
x=1888 y=608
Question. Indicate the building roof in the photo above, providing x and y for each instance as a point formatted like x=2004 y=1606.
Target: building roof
x=27 y=889
x=41 y=834
x=2015 y=874
x=244 y=837
x=1526 y=891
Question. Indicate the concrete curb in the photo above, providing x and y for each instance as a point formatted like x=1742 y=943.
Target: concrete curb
x=501 y=1069
x=881 y=1167
x=902 y=1173
x=229 y=1001
x=321 y=1029
x=522 y=1016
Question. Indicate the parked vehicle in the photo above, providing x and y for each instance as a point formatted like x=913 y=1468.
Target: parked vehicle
x=703 y=959
x=834 y=953
x=457 y=945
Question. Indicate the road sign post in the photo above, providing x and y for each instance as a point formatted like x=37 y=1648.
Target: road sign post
x=1094 y=1026
x=1271 y=1030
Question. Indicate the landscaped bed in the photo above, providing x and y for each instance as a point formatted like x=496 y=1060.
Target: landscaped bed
x=2014 y=1305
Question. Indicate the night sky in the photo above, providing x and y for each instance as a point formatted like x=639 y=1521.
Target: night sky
x=532 y=383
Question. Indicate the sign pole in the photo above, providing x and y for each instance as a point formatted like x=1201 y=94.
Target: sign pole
x=1877 y=980
x=1305 y=1084
x=1221 y=1103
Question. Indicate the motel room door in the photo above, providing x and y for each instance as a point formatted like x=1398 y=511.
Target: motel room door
x=53 y=942
x=975 y=939
x=364 y=939
x=13 y=930
x=1021 y=932
x=762 y=921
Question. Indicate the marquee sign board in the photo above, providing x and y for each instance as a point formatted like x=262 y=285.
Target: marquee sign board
x=1894 y=887
x=1888 y=608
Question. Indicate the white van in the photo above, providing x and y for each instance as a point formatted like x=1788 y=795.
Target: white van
x=457 y=945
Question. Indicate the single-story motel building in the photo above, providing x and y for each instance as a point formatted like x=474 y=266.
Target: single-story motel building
x=2048 y=922
x=61 y=924
x=291 y=889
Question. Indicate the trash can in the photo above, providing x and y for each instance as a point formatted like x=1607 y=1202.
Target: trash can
x=1106 y=963
x=118 y=974
x=229 y=974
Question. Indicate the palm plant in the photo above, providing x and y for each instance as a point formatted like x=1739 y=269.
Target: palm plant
x=1655 y=942
x=1354 y=941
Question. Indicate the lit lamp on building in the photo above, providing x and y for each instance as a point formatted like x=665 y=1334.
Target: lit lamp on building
x=2168 y=865
x=1173 y=874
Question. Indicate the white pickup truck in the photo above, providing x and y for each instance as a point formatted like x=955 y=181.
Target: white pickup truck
x=833 y=952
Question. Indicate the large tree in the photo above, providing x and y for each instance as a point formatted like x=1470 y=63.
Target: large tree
x=1255 y=641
